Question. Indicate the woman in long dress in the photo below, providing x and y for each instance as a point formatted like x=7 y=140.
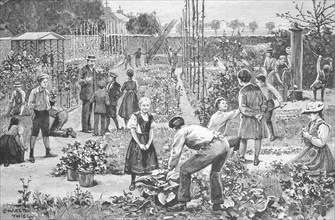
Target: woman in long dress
x=129 y=103
x=317 y=156
x=11 y=143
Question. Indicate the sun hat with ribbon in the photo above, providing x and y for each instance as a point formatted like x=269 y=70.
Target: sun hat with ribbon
x=313 y=107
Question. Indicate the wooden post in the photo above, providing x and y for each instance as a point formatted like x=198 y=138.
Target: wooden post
x=198 y=48
x=202 y=49
x=297 y=52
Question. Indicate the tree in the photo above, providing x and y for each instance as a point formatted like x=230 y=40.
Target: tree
x=241 y=25
x=253 y=26
x=321 y=17
x=215 y=25
x=234 y=24
x=143 y=23
x=48 y=15
x=270 y=26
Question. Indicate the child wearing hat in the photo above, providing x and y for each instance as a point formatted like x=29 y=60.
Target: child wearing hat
x=317 y=156
x=39 y=102
x=17 y=100
x=269 y=63
x=100 y=99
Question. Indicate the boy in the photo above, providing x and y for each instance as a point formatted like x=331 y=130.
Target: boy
x=138 y=55
x=321 y=79
x=252 y=105
x=114 y=93
x=219 y=120
x=17 y=101
x=127 y=60
x=40 y=104
x=100 y=99
x=270 y=93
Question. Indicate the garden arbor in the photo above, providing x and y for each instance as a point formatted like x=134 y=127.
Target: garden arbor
x=47 y=46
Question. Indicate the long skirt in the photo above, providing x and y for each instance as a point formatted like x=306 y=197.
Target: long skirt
x=139 y=161
x=10 y=150
x=129 y=105
x=316 y=159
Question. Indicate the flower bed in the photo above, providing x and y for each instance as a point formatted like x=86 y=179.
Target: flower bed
x=155 y=83
x=273 y=194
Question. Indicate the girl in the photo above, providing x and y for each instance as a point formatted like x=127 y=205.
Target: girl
x=317 y=156
x=11 y=143
x=129 y=103
x=141 y=157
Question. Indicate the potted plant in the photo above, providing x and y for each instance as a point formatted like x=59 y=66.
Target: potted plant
x=71 y=160
x=92 y=158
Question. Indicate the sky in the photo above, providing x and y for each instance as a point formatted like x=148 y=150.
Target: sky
x=261 y=11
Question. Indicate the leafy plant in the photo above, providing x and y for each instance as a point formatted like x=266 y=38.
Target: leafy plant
x=24 y=192
x=92 y=156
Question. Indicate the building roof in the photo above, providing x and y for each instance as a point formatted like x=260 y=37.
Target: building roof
x=109 y=15
x=39 y=36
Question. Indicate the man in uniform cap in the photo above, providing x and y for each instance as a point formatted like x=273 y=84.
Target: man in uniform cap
x=39 y=102
x=87 y=82
x=114 y=93
x=212 y=149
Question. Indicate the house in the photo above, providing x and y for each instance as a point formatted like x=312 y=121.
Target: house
x=115 y=21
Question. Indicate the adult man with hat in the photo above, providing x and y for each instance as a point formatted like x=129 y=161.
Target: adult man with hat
x=17 y=100
x=87 y=82
x=212 y=149
x=114 y=93
x=39 y=102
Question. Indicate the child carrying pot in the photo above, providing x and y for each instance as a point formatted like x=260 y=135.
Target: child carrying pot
x=141 y=157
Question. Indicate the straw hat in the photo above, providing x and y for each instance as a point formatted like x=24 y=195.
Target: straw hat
x=42 y=76
x=17 y=85
x=313 y=107
x=269 y=50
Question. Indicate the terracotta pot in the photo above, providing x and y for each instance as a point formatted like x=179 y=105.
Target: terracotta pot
x=86 y=178
x=72 y=174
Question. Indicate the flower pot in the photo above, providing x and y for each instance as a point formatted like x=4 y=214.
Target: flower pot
x=86 y=178
x=72 y=174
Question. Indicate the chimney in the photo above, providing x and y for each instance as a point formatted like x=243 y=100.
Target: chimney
x=120 y=11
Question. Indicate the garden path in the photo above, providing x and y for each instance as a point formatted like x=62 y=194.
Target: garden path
x=58 y=186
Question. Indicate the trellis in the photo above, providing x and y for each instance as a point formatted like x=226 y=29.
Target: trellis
x=193 y=46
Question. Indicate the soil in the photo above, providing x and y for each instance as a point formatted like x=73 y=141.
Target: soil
x=106 y=185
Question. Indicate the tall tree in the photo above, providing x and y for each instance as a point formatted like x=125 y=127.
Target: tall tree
x=143 y=23
x=215 y=25
x=270 y=26
x=48 y=15
x=253 y=26
x=234 y=24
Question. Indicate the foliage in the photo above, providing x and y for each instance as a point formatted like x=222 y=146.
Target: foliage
x=143 y=23
x=71 y=158
x=321 y=17
x=253 y=26
x=50 y=15
x=91 y=156
x=270 y=26
x=25 y=193
x=307 y=194
x=154 y=83
x=234 y=24
x=215 y=25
